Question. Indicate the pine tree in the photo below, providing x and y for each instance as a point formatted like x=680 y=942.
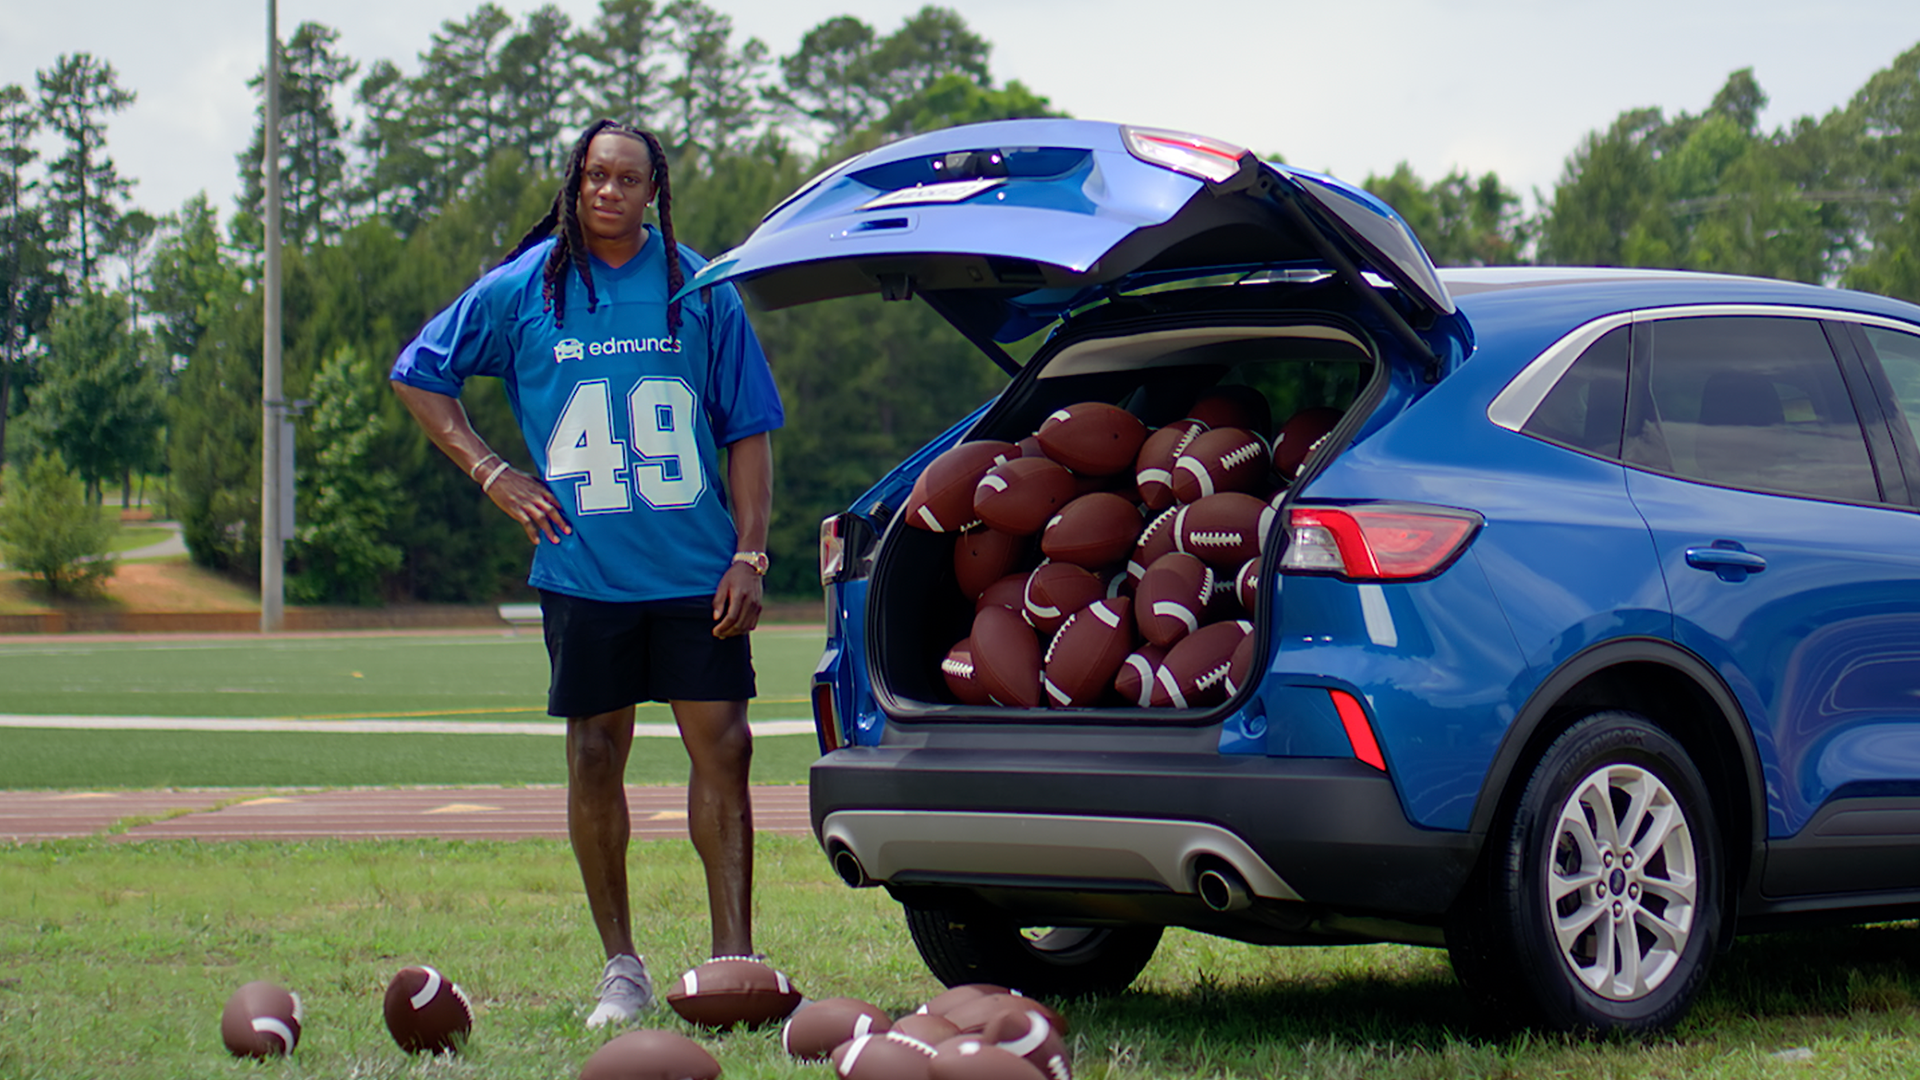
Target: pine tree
x=84 y=190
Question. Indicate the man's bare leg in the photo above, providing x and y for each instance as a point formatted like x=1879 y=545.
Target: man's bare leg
x=597 y=821
x=719 y=815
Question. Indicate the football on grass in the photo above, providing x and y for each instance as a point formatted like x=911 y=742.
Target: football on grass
x=426 y=1012
x=731 y=991
x=651 y=1055
x=970 y=1057
x=261 y=1020
x=954 y=997
x=815 y=1029
x=888 y=1056
x=972 y=1017
x=1032 y=1036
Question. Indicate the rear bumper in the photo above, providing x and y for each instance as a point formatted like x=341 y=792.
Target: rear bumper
x=1324 y=831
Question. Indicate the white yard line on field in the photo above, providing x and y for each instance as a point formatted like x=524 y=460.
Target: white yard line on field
x=354 y=727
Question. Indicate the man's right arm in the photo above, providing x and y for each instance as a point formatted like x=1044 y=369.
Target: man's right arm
x=523 y=498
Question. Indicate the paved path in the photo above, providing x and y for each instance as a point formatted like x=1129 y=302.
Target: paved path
x=446 y=813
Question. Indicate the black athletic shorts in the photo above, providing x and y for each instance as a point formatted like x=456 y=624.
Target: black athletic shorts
x=606 y=656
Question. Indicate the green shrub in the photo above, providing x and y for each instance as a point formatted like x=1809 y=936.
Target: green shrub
x=48 y=530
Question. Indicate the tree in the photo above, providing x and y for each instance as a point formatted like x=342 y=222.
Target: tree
x=1609 y=207
x=713 y=97
x=535 y=85
x=930 y=45
x=84 y=188
x=1460 y=220
x=49 y=530
x=622 y=75
x=828 y=81
x=344 y=549
x=190 y=272
x=312 y=138
x=958 y=99
x=27 y=283
x=401 y=180
x=99 y=407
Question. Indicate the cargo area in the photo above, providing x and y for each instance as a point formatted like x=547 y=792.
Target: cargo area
x=1155 y=368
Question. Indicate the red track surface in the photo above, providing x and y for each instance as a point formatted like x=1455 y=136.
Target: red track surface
x=447 y=813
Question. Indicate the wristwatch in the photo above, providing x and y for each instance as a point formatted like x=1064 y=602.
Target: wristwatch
x=755 y=559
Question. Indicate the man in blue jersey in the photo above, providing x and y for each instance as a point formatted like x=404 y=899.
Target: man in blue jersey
x=649 y=566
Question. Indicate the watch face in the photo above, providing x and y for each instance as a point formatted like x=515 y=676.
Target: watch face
x=755 y=559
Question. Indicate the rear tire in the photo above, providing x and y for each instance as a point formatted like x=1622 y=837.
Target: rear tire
x=975 y=944
x=1598 y=902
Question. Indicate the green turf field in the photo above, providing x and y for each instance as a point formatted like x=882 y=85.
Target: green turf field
x=490 y=677
x=115 y=960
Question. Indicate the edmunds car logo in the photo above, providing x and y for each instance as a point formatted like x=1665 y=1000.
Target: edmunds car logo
x=573 y=349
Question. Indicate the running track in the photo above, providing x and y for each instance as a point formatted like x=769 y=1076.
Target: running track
x=363 y=814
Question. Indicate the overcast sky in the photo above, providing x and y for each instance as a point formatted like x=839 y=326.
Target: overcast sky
x=1350 y=88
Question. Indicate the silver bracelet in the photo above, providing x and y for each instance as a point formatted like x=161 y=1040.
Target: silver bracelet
x=487 y=484
x=474 y=470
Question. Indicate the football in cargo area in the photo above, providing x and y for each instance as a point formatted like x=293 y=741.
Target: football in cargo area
x=1096 y=507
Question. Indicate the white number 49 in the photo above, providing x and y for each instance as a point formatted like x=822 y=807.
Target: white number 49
x=666 y=468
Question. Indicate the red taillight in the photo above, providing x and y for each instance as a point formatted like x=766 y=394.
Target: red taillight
x=826 y=720
x=1195 y=155
x=1359 y=731
x=1376 y=543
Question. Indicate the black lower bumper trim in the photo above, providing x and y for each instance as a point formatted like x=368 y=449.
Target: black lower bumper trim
x=1332 y=828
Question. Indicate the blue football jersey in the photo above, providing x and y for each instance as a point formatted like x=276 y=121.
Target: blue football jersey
x=623 y=421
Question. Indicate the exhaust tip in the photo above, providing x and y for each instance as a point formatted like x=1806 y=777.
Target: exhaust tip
x=847 y=865
x=1224 y=890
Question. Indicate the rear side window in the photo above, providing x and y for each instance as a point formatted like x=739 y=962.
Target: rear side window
x=1747 y=402
x=1900 y=358
x=1584 y=409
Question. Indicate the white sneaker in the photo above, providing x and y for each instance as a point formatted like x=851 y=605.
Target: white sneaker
x=625 y=992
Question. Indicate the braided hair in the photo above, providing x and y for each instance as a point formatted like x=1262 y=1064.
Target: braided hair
x=570 y=250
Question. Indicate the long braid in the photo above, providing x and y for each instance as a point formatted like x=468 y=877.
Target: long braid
x=663 y=206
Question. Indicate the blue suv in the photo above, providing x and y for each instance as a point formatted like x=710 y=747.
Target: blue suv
x=1588 y=637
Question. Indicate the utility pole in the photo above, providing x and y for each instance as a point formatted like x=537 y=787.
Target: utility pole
x=273 y=419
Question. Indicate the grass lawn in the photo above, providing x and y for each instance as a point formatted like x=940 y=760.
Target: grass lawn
x=170 y=583
x=130 y=537
x=494 y=676
x=115 y=960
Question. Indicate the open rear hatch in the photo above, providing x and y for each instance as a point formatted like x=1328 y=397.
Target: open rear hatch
x=1006 y=226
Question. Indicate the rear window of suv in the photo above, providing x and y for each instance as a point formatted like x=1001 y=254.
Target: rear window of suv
x=1747 y=402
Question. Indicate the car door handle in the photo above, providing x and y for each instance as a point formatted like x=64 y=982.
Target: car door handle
x=1726 y=558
